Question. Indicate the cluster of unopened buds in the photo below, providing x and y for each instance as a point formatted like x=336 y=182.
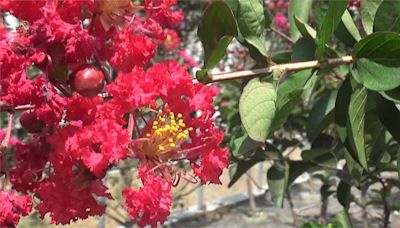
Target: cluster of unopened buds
x=99 y=97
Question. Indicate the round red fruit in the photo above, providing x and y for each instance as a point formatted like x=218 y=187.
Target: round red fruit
x=31 y=122
x=88 y=81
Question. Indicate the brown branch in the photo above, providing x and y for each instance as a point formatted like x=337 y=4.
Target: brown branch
x=289 y=67
x=3 y=148
x=61 y=88
x=131 y=125
x=255 y=182
x=386 y=205
x=11 y=108
x=252 y=201
x=7 y=137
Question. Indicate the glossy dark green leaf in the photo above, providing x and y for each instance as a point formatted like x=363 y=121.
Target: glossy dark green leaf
x=319 y=156
x=377 y=61
x=398 y=161
x=331 y=20
x=368 y=11
x=347 y=31
x=304 y=28
x=257 y=108
x=342 y=108
x=389 y=115
x=216 y=31
x=392 y=95
x=354 y=167
x=268 y=17
x=304 y=49
x=239 y=169
x=251 y=21
x=301 y=10
x=356 y=123
x=281 y=57
x=343 y=194
x=296 y=168
x=388 y=16
x=277 y=178
x=321 y=115
x=243 y=145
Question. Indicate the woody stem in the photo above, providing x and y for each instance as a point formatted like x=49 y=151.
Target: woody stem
x=289 y=67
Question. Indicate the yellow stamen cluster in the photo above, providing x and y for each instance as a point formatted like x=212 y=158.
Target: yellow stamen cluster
x=167 y=132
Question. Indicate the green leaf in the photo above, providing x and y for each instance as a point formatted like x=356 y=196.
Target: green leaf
x=288 y=103
x=251 y=21
x=343 y=194
x=377 y=61
x=243 y=145
x=392 y=95
x=310 y=86
x=342 y=108
x=277 y=178
x=388 y=16
x=216 y=31
x=305 y=29
x=202 y=76
x=376 y=76
x=268 y=17
x=368 y=11
x=304 y=49
x=281 y=57
x=257 y=108
x=331 y=21
x=354 y=168
x=289 y=95
x=301 y=10
x=312 y=225
x=356 y=123
x=243 y=166
x=321 y=115
x=347 y=31
x=398 y=161
x=291 y=83
x=296 y=168
x=389 y=115
x=239 y=169
x=319 y=156
x=344 y=219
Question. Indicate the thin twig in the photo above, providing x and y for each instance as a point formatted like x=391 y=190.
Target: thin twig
x=283 y=35
x=252 y=201
x=255 y=182
x=386 y=206
x=11 y=108
x=4 y=146
x=7 y=136
x=289 y=67
x=131 y=125
x=61 y=88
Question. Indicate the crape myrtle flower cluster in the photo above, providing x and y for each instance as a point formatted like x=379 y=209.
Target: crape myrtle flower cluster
x=279 y=8
x=83 y=120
